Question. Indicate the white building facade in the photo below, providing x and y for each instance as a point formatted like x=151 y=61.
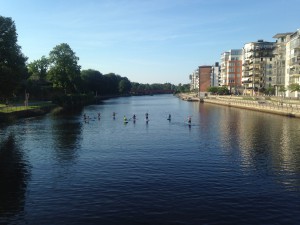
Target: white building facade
x=279 y=64
x=215 y=75
x=292 y=75
x=194 y=81
x=231 y=70
x=257 y=67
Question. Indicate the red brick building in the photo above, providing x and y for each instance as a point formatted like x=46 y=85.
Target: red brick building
x=204 y=78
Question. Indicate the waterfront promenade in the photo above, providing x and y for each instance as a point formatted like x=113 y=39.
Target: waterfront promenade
x=274 y=105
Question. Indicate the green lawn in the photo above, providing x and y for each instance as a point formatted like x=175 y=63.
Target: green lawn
x=10 y=109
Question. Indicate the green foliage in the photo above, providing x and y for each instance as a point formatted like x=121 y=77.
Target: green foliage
x=38 y=69
x=37 y=84
x=59 y=74
x=213 y=90
x=156 y=88
x=270 y=91
x=294 y=87
x=219 y=90
x=64 y=70
x=108 y=84
x=282 y=89
x=92 y=80
x=124 y=86
x=183 y=88
x=111 y=82
x=12 y=60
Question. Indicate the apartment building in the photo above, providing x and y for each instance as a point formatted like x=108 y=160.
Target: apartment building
x=292 y=75
x=279 y=63
x=204 y=79
x=215 y=75
x=231 y=70
x=224 y=68
x=257 y=67
x=194 y=81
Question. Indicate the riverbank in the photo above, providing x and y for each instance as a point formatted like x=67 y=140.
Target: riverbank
x=17 y=114
x=9 y=113
x=274 y=105
x=188 y=97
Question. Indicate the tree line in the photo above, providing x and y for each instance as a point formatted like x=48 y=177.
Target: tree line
x=58 y=73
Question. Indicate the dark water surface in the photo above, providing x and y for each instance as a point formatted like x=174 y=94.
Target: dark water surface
x=231 y=166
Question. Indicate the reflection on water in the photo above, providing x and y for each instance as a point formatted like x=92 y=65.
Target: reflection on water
x=265 y=142
x=14 y=175
x=66 y=132
x=230 y=166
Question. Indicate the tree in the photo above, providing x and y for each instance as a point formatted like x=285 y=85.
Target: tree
x=282 y=90
x=213 y=90
x=37 y=84
x=183 y=88
x=38 y=69
x=219 y=90
x=124 y=85
x=92 y=81
x=223 y=90
x=12 y=60
x=167 y=86
x=294 y=87
x=134 y=87
x=112 y=83
x=64 y=70
x=270 y=91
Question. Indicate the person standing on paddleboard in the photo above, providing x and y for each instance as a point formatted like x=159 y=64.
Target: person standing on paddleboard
x=134 y=118
x=189 y=120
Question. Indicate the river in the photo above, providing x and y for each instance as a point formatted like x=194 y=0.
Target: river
x=230 y=166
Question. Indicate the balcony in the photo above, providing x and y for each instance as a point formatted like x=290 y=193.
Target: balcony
x=295 y=72
x=295 y=61
x=247 y=75
x=247 y=82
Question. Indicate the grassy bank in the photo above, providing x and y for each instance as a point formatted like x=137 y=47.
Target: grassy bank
x=12 y=112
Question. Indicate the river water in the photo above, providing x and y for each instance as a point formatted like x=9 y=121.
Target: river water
x=231 y=166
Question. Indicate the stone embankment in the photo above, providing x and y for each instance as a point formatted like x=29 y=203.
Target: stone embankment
x=274 y=105
x=188 y=97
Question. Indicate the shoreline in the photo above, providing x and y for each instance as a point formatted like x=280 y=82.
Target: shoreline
x=278 y=107
x=27 y=113
x=9 y=117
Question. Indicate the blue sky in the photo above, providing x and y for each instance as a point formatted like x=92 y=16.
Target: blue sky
x=148 y=41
